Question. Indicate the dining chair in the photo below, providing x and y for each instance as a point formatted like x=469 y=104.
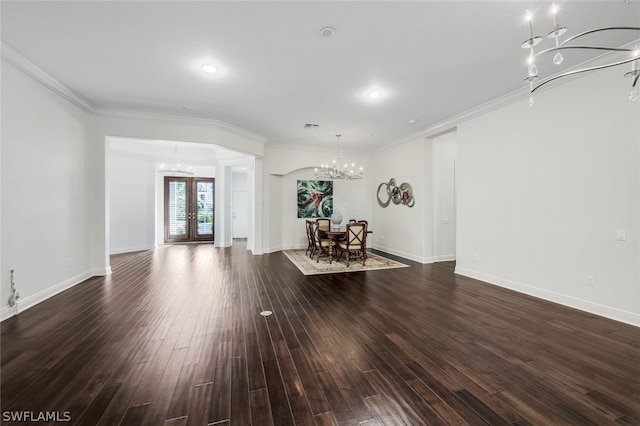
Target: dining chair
x=310 y=240
x=324 y=224
x=354 y=245
x=365 y=236
x=321 y=242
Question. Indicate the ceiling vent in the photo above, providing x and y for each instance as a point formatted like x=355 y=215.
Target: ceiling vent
x=311 y=126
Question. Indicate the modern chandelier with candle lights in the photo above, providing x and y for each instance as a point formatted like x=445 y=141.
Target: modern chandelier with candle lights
x=632 y=55
x=338 y=169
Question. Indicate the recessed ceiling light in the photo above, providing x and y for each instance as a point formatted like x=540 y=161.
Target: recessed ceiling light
x=375 y=94
x=211 y=69
x=412 y=121
x=327 y=32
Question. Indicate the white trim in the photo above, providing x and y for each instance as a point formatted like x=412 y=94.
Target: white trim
x=166 y=118
x=509 y=98
x=404 y=255
x=269 y=250
x=28 y=302
x=452 y=122
x=132 y=249
x=583 y=305
x=101 y=272
x=444 y=258
x=38 y=74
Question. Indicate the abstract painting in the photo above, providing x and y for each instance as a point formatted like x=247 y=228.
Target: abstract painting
x=315 y=198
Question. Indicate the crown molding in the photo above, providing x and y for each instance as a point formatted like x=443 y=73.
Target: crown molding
x=38 y=74
x=21 y=62
x=167 y=118
x=453 y=122
x=517 y=95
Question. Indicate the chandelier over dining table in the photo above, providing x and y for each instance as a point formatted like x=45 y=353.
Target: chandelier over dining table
x=338 y=168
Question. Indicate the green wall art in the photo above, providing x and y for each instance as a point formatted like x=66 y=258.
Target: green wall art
x=315 y=198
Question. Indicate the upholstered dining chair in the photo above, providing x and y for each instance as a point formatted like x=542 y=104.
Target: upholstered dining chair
x=355 y=243
x=367 y=223
x=324 y=224
x=321 y=242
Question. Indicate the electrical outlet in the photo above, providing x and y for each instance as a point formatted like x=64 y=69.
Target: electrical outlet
x=621 y=235
x=590 y=280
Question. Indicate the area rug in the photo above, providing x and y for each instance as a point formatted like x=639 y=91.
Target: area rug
x=310 y=267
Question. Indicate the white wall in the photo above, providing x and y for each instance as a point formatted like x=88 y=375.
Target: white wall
x=149 y=127
x=444 y=205
x=542 y=191
x=399 y=229
x=425 y=232
x=45 y=217
x=131 y=179
x=64 y=238
x=239 y=204
x=350 y=197
x=282 y=170
x=223 y=213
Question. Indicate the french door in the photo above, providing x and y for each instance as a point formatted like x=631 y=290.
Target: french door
x=188 y=209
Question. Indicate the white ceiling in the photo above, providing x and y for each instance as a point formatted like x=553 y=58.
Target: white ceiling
x=180 y=152
x=431 y=60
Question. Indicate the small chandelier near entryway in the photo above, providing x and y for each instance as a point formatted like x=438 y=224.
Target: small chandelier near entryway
x=176 y=166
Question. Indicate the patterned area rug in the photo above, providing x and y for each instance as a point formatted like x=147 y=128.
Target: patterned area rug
x=309 y=266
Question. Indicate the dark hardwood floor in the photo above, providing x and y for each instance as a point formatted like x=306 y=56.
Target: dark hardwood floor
x=175 y=336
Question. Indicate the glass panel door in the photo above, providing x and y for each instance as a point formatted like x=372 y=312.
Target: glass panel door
x=176 y=209
x=204 y=209
x=188 y=209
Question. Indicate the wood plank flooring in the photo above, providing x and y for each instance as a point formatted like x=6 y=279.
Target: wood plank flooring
x=174 y=336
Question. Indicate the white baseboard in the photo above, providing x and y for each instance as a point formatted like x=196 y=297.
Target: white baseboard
x=583 y=305
x=444 y=258
x=28 y=302
x=409 y=256
x=100 y=272
x=132 y=249
x=271 y=250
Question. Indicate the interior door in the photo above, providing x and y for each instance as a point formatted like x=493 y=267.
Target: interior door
x=189 y=209
x=240 y=206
